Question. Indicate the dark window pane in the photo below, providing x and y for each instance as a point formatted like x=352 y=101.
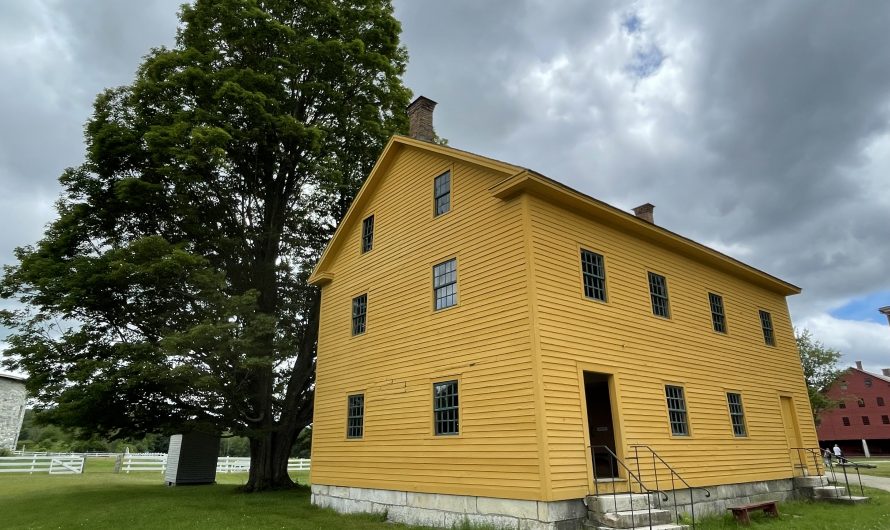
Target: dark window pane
x=355 y=416
x=359 y=312
x=865 y=420
x=766 y=322
x=718 y=317
x=442 y=193
x=880 y=402
x=659 y=294
x=368 y=234
x=594 y=273
x=846 y=421
x=676 y=404
x=445 y=408
x=885 y=419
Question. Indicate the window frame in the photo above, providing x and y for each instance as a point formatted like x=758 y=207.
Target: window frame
x=367 y=237
x=455 y=407
x=363 y=315
x=845 y=421
x=766 y=326
x=866 y=420
x=437 y=195
x=436 y=287
x=885 y=419
x=653 y=295
x=684 y=411
x=350 y=416
x=734 y=415
x=841 y=404
x=714 y=315
x=585 y=274
x=880 y=401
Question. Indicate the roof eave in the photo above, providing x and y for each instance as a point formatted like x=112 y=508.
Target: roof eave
x=573 y=200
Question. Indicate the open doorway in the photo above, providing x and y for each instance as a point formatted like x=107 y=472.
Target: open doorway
x=600 y=427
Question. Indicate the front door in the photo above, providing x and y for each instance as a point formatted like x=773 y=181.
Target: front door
x=600 y=426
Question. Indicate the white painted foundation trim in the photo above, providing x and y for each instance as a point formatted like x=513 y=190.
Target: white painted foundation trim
x=446 y=511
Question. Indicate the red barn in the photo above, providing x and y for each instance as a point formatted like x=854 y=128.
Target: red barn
x=861 y=423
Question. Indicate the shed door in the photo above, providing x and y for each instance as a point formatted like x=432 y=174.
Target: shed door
x=792 y=430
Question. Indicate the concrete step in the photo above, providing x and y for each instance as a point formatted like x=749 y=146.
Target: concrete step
x=588 y=525
x=829 y=492
x=849 y=499
x=621 y=502
x=813 y=481
x=631 y=519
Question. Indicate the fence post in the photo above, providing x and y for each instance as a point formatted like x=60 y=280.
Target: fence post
x=118 y=462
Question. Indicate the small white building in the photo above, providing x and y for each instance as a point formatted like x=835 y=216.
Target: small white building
x=13 y=398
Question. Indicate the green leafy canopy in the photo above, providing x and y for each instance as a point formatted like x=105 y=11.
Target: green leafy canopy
x=170 y=293
x=820 y=370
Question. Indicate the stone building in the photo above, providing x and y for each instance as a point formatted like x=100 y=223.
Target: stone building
x=12 y=409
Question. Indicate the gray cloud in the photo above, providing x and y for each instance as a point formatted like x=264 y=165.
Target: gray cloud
x=760 y=129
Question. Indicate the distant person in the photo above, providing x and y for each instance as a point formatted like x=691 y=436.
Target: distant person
x=837 y=453
x=826 y=457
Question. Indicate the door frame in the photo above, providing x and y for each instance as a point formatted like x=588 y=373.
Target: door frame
x=614 y=381
x=795 y=427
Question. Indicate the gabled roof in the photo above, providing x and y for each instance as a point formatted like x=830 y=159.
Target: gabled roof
x=522 y=180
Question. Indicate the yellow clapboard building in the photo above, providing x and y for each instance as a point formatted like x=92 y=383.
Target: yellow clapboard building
x=495 y=347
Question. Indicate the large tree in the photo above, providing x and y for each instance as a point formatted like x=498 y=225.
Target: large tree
x=820 y=370
x=170 y=293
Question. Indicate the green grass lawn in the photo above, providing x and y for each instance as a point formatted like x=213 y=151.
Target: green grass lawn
x=882 y=469
x=101 y=499
x=800 y=515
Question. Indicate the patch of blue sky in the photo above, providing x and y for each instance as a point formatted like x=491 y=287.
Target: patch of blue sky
x=646 y=62
x=632 y=23
x=864 y=308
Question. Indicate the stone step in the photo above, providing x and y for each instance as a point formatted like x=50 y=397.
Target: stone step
x=588 y=525
x=631 y=519
x=829 y=492
x=849 y=499
x=813 y=481
x=621 y=502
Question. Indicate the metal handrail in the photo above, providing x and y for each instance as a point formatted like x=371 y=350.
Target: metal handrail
x=613 y=459
x=673 y=473
x=828 y=459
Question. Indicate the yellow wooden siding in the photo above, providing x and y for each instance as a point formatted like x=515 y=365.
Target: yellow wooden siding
x=645 y=352
x=484 y=341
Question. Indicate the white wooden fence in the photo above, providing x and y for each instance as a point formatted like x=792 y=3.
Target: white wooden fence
x=225 y=464
x=54 y=465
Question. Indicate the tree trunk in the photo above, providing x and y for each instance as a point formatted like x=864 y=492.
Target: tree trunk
x=269 y=453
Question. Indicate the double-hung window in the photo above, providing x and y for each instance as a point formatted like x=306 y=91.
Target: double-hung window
x=442 y=193
x=658 y=291
x=766 y=322
x=718 y=317
x=359 y=313
x=676 y=405
x=445 y=408
x=355 y=416
x=594 y=272
x=368 y=234
x=445 y=284
x=736 y=414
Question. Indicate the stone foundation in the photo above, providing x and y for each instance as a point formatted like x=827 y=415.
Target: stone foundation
x=447 y=511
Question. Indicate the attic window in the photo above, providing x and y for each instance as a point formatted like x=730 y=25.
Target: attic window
x=442 y=193
x=368 y=234
x=868 y=383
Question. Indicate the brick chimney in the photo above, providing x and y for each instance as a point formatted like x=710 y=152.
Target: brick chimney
x=859 y=365
x=420 y=117
x=885 y=310
x=886 y=372
x=645 y=212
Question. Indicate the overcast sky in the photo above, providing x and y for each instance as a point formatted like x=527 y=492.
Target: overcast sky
x=762 y=130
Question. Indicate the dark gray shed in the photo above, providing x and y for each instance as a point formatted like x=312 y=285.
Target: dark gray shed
x=191 y=459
